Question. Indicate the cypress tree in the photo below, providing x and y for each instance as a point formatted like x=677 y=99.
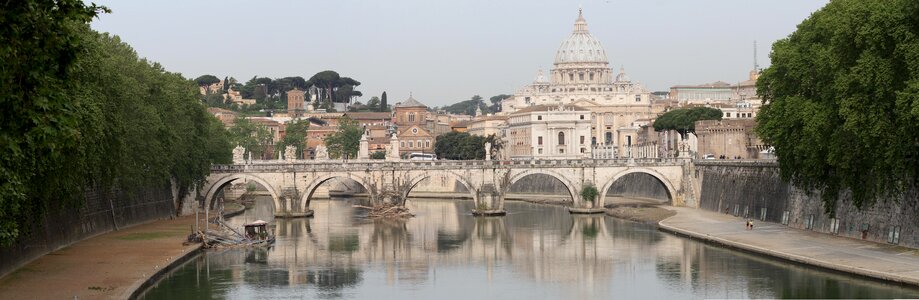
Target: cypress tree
x=383 y=105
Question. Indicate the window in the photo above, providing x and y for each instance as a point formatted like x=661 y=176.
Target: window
x=582 y=117
x=609 y=138
x=727 y=115
x=411 y=117
x=582 y=140
x=570 y=77
x=562 y=151
x=628 y=139
x=427 y=143
x=591 y=77
x=402 y=144
x=414 y=130
x=581 y=76
x=583 y=150
x=411 y=144
x=637 y=98
x=539 y=118
x=561 y=138
x=539 y=140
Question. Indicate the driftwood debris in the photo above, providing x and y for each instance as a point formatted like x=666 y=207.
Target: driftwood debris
x=387 y=211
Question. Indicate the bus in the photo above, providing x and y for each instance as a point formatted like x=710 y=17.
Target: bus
x=422 y=156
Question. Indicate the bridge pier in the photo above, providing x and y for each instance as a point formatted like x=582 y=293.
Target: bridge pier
x=488 y=201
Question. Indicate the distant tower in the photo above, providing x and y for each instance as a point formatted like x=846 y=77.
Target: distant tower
x=754 y=74
x=755 y=64
x=295 y=101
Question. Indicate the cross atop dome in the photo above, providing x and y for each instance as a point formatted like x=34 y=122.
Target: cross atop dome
x=580 y=25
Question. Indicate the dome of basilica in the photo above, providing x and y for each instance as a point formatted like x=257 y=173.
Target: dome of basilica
x=581 y=46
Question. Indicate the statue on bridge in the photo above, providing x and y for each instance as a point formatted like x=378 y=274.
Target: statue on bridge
x=487 y=150
x=290 y=153
x=238 y=155
x=392 y=151
x=322 y=153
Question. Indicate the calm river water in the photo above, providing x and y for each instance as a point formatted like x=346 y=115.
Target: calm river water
x=535 y=252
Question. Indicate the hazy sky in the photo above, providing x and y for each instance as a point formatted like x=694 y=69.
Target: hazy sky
x=447 y=51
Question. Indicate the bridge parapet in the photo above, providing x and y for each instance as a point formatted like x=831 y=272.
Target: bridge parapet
x=363 y=165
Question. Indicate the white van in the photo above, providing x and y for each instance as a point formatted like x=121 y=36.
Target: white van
x=422 y=156
x=708 y=156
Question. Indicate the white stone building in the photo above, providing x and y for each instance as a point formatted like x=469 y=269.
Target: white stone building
x=548 y=132
x=581 y=76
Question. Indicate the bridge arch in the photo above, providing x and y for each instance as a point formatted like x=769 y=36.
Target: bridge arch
x=518 y=176
x=223 y=181
x=311 y=188
x=671 y=192
x=418 y=179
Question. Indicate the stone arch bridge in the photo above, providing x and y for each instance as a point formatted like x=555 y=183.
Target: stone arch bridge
x=292 y=184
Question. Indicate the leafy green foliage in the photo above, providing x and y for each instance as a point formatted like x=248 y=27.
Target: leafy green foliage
x=589 y=192
x=467 y=107
x=206 y=80
x=80 y=111
x=683 y=120
x=295 y=135
x=384 y=106
x=842 y=101
x=255 y=138
x=496 y=102
x=378 y=155
x=346 y=141
x=464 y=146
x=39 y=43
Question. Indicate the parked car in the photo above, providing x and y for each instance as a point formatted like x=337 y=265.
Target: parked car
x=708 y=156
x=422 y=156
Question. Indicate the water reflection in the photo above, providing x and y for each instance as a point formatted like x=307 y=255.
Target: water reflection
x=536 y=251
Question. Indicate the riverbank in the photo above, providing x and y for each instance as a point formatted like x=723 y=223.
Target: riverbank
x=108 y=266
x=865 y=258
x=641 y=214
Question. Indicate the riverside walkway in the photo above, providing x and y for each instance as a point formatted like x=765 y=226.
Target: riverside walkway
x=108 y=266
x=882 y=261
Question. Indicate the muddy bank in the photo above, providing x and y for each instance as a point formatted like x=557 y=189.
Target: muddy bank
x=640 y=213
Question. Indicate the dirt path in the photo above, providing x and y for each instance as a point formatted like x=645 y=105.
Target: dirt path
x=109 y=266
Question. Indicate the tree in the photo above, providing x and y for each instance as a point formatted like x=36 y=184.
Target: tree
x=373 y=104
x=40 y=44
x=253 y=137
x=467 y=107
x=345 y=142
x=384 y=106
x=205 y=81
x=841 y=101
x=295 y=135
x=81 y=113
x=589 y=192
x=496 y=102
x=461 y=146
x=683 y=120
x=378 y=155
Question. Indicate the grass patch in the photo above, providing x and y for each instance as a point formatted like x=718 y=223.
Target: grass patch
x=143 y=236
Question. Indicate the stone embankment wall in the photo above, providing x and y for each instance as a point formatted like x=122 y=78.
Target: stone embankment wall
x=755 y=190
x=101 y=213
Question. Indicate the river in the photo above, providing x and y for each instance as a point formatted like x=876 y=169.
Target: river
x=535 y=252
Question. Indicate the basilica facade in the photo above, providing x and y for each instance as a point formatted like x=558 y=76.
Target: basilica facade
x=581 y=77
